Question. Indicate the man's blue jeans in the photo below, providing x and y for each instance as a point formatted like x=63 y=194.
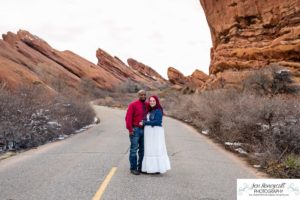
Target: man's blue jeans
x=136 y=147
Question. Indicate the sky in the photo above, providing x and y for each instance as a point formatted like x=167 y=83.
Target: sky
x=158 y=33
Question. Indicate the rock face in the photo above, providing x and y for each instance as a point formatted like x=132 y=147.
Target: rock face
x=146 y=71
x=250 y=34
x=176 y=77
x=136 y=71
x=199 y=78
x=52 y=65
x=26 y=59
x=16 y=70
x=196 y=80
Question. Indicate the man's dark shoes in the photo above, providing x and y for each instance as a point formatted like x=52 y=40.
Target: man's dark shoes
x=135 y=172
x=141 y=172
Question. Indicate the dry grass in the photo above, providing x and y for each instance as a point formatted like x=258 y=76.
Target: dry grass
x=267 y=128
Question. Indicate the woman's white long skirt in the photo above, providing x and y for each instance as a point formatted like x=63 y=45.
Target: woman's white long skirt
x=155 y=152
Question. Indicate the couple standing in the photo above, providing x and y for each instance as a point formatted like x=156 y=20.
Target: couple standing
x=146 y=134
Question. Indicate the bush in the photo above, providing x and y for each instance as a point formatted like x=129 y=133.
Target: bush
x=29 y=118
x=270 y=80
x=129 y=86
x=91 y=90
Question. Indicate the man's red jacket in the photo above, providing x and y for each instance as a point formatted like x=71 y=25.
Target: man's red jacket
x=136 y=112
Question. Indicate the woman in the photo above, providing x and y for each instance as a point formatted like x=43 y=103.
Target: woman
x=156 y=159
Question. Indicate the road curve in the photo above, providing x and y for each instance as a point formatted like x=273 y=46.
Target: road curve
x=74 y=168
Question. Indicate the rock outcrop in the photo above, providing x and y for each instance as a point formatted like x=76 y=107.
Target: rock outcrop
x=26 y=59
x=196 y=80
x=52 y=65
x=176 y=77
x=146 y=71
x=251 y=34
x=16 y=70
x=136 y=71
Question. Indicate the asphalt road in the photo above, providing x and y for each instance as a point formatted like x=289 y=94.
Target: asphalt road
x=74 y=168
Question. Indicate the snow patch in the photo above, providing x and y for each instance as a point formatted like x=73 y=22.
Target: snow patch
x=233 y=143
x=241 y=151
x=282 y=70
x=84 y=128
x=96 y=120
x=205 y=132
x=62 y=137
x=54 y=123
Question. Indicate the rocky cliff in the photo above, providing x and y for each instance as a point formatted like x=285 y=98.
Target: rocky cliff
x=136 y=71
x=146 y=71
x=198 y=78
x=26 y=59
x=251 y=34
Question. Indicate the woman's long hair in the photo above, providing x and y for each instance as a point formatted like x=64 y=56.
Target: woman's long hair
x=157 y=106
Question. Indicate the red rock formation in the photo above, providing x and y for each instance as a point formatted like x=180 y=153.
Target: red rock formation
x=145 y=70
x=135 y=72
x=55 y=63
x=176 y=77
x=27 y=59
x=16 y=69
x=115 y=66
x=46 y=69
x=196 y=80
x=250 y=34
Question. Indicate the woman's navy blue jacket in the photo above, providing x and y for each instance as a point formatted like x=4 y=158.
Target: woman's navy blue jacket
x=155 y=118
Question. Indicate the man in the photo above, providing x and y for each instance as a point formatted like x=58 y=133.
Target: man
x=136 y=112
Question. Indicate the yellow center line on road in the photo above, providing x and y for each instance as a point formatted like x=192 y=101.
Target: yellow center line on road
x=104 y=184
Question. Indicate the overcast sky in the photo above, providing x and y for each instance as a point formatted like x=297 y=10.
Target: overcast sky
x=159 y=33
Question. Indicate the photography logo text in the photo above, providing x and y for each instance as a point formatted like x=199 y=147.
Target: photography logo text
x=283 y=189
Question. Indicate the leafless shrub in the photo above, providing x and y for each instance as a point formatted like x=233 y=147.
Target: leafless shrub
x=30 y=118
x=270 y=80
x=282 y=83
x=116 y=100
x=87 y=88
x=71 y=113
x=188 y=90
x=161 y=86
x=91 y=90
x=130 y=86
